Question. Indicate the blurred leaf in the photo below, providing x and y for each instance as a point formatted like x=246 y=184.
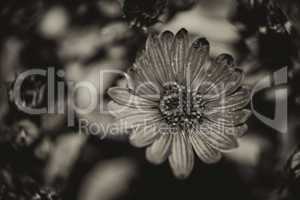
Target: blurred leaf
x=142 y=14
x=292 y=9
x=108 y=180
x=64 y=155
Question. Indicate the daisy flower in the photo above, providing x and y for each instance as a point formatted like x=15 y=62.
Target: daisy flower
x=182 y=101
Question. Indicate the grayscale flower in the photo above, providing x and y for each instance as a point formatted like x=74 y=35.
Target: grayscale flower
x=180 y=101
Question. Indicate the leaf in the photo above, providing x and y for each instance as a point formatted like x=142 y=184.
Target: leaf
x=108 y=180
x=65 y=153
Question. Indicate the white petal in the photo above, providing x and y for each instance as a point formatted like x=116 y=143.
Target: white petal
x=135 y=119
x=197 y=56
x=179 y=51
x=217 y=137
x=166 y=39
x=236 y=101
x=226 y=84
x=182 y=156
x=159 y=151
x=234 y=131
x=145 y=63
x=222 y=66
x=204 y=151
x=156 y=56
x=237 y=131
x=234 y=81
x=124 y=97
x=229 y=118
x=144 y=135
x=119 y=110
x=143 y=82
x=200 y=76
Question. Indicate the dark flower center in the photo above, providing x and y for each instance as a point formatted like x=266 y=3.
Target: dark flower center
x=180 y=107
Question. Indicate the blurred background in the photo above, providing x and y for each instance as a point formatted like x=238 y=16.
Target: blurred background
x=42 y=158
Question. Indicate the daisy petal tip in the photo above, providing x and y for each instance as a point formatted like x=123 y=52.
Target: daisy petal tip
x=241 y=74
x=167 y=35
x=111 y=92
x=242 y=131
x=181 y=34
x=182 y=31
x=225 y=59
x=214 y=160
x=151 y=40
x=235 y=145
x=134 y=143
x=114 y=92
x=248 y=114
x=181 y=175
x=229 y=150
x=201 y=43
x=151 y=158
x=247 y=92
x=232 y=147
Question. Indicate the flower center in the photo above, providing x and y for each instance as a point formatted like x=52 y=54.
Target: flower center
x=179 y=107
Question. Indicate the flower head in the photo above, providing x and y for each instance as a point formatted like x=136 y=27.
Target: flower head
x=182 y=101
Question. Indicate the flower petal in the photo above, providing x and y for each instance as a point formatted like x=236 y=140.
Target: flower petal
x=226 y=84
x=230 y=118
x=204 y=151
x=144 y=135
x=182 y=156
x=118 y=110
x=166 y=39
x=236 y=101
x=142 y=75
x=201 y=75
x=237 y=131
x=225 y=60
x=197 y=56
x=160 y=64
x=142 y=84
x=221 y=67
x=217 y=137
x=136 y=118
x=121 y=111
x=158 y=152
x=234 y=81
x=124 y=97
x=179 y=53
